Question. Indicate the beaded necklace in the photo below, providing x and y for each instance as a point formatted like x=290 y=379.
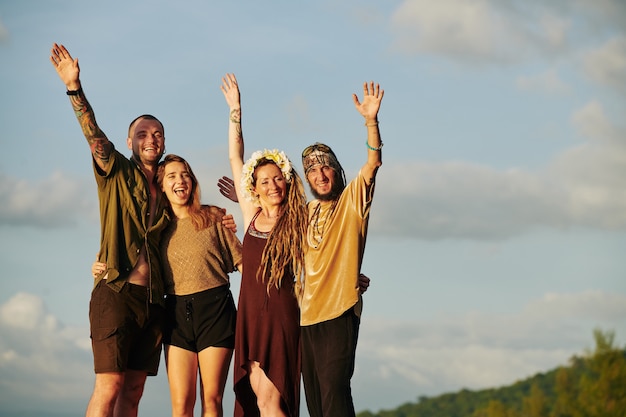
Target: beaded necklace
x=317 y=224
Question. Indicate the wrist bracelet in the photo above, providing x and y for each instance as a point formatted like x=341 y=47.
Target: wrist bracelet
x=372 y=124
x=372 y=148
x=74 y=92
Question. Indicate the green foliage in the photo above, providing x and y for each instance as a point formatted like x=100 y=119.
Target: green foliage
x=593 y=385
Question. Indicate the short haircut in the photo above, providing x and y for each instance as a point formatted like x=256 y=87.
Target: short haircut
x=146 y=117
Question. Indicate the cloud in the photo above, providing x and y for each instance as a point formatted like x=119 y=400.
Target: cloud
x=46 y=365
x=480 y=31
x=583 y=186
x=504 y=32
x=480 y=350
x=56 y=201
x=607 y=64
x=43 y=363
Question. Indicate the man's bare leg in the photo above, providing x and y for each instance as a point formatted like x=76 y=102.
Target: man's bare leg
x=127 y=404
x=106 y=391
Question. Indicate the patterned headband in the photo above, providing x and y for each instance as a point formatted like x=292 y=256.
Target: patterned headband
x=318 y=156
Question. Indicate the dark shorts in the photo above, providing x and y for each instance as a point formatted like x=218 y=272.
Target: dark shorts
x=125 y=329
x=197 y=321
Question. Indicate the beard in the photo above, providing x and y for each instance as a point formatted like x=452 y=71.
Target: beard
x=333 y=194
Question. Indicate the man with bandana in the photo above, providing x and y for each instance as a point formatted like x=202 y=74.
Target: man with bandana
x=331 y=301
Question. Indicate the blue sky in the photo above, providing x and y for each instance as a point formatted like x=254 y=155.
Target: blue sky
x=498 y=230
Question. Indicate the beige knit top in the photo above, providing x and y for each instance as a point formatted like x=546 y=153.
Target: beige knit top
x=197 y=260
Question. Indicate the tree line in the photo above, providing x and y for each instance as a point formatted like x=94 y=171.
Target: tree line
x=592 y=385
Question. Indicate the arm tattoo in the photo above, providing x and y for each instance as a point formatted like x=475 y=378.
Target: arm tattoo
x=235 y=115
x=101 y=149
x=238 y=133
x=99 y=144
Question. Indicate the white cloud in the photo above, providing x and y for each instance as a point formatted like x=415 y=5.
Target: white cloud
x=56 y=201
x=592 y=123
x=25 y=311
x=43 y=363
x=46 y=365
x=453 y=27
x=583 y=186
x=578 y=306
x=478 y=350
x=607 y=64
x=495 y=32
x=479 y=31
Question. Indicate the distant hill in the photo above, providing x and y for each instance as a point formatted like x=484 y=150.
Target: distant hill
x=593 y=385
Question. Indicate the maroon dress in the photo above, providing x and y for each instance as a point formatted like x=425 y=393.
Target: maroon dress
x=268 y=332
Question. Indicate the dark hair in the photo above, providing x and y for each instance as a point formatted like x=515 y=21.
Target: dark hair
x=146 y=117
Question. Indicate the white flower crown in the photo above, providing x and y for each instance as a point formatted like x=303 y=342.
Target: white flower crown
x=278 y=157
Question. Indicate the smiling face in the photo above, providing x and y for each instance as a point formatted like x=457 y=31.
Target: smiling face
x=321 y=179
x=147 y=141
x=177 y=184
x=270 y=185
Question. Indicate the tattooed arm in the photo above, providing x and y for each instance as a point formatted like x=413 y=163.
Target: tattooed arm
x=235 y=143
x=69 y=72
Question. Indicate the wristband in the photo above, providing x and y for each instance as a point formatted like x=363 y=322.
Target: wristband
x=74 y=92
x=371 y=148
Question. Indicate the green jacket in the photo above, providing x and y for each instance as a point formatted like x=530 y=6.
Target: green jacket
x=123 y=192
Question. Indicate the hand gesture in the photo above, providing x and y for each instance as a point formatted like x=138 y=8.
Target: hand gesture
x=66 y=66
x=231 y=91
x=372 y=96
x=227 y=188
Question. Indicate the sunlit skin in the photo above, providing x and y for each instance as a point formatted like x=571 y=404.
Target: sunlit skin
x=183 y=366
x=147 y=142
x=114 y=393
x=321 y=178
x=177 y=186
x=271 y=188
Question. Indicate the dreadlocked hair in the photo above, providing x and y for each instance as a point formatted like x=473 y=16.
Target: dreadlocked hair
x=202 y=216
x=284 y=250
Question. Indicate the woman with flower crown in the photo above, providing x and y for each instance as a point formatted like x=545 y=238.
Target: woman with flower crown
x=267 y=339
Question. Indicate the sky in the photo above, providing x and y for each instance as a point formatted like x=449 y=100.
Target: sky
x=498 y=229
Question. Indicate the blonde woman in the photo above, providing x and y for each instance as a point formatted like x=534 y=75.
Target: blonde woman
x=267 y=342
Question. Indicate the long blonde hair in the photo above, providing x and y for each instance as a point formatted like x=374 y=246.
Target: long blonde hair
x=284 y=250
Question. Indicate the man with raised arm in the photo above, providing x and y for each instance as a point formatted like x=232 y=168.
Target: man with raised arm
x=330 y=307
x=125 y=310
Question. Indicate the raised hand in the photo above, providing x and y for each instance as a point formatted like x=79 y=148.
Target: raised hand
x=372 y=96
x=66 y=66
x=231 y=91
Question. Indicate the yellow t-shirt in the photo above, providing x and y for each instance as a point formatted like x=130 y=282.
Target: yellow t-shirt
x=336 y=237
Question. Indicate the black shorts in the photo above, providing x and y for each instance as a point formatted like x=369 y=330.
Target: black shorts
x=125 y=329
x=197 y=321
